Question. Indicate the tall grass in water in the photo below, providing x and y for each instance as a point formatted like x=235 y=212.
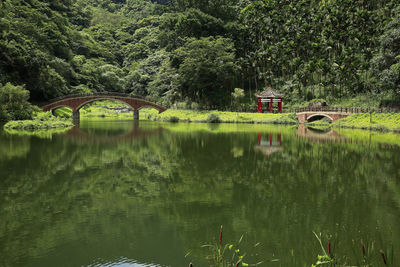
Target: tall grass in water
x=226 y=255
x=363 y=255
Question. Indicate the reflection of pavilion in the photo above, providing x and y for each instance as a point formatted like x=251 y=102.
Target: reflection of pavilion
x=269 y=145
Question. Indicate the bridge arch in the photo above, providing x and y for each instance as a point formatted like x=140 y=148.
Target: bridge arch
x=146 y=106
x=53 y=111
x=60 y=106
x=100 y=99
x=76 y=102
x=318 y=116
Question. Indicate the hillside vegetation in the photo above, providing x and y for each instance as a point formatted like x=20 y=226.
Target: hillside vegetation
x=199 y=51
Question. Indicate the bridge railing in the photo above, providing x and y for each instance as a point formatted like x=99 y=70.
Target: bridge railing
x=349 y=110
x=93 y=94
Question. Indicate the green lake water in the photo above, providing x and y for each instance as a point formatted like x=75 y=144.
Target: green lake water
x=125 y=194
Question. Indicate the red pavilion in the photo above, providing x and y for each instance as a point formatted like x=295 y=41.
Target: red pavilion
x=270 y=97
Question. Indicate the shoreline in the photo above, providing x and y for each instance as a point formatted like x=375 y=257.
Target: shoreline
x=379 y=122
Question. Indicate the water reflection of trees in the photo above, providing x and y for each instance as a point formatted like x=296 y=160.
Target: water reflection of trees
x=13 y=147
x=192 y=183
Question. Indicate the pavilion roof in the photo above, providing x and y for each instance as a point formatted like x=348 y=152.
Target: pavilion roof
x=269 y=93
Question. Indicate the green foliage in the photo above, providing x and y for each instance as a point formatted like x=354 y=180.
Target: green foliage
x=237 y=96
x=228 y=255
x=386 y=65
x=14 y=103
x=365 y=254
x=205 y=66
x=181 y=105
x=43 y=133
x=323 y=48
x=213 y=118
x=225 y=117
x=173 y=119
x=42 y=120
x=194 y=106
x=147 y=78
x=174 y=51
x=372 y=121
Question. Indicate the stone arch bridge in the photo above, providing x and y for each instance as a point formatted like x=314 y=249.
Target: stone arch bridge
x=331 y=114
x=77 y=101
x=310 y=116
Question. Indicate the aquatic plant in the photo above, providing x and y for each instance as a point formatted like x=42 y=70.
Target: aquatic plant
x=226 y=255
x=363 y=255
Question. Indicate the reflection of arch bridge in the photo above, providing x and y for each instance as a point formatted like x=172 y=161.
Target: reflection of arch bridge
x=135 y=133
x=76 y=102
x=309 y=116
x=328 y=136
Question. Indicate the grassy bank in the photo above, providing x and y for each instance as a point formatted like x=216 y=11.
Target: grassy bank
x=115 y=110
x=373 y=121
x=112 y=110
x=174 y=115
x=42 y=120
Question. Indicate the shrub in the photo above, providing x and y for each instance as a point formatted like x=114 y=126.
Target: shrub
x=309 y=96
x=213 y=118
x=14 y=103
x=317 y=103
x=195 y=106
x=4 y=116
x=181 y=105
x=237 y=97
x=173 y=119
x=380 y=127
x=43 y=120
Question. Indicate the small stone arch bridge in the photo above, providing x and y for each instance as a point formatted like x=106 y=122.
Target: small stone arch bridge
x=77 y=101
x=311 y=116
x=332 y=114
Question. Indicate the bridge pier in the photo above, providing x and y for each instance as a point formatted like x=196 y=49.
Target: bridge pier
x=76 y=116
x=302 y=118
x=136 y=115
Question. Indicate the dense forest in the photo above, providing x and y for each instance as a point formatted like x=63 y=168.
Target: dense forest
x=196 y=52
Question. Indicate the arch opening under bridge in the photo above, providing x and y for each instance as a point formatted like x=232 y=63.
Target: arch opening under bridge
x=316 y=117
